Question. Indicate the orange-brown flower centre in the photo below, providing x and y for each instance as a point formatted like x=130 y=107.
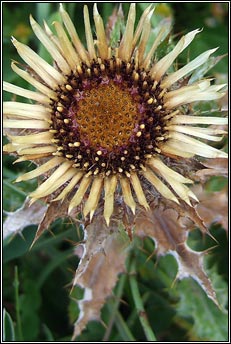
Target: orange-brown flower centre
x=107 y=116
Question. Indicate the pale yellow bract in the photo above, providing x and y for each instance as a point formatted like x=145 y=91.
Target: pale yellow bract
x=158 y=129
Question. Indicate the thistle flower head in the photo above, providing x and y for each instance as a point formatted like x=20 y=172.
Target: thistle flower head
x=109 y=123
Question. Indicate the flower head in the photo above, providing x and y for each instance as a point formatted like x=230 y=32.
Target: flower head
x=109 y=122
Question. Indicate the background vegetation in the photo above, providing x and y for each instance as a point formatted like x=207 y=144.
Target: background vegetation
x=37 y=281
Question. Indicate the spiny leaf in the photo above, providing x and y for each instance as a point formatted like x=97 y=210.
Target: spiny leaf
x=104 y=258
x=170 y=235
x=213 y=206
x=25 y=216
x=209 y=322
x=55 y=210
x=213 y=167
x=220 y=286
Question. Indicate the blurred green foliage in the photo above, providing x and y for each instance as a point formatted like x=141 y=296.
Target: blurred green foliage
x=37 y=281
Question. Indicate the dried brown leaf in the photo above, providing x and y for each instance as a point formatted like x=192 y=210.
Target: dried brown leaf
x=97 y=273
x=188 y=215
x=25 y=216
x=214 y=167
x=55 y=210
x=170 y=235
x=213 y=206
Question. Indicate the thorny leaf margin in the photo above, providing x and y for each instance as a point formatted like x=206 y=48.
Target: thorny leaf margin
x=104 y=255
x=170 y=235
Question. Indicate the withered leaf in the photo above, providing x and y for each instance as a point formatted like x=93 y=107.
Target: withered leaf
x=213 y=167
x=97 y=273
x=189 y=214
x=213 y=206
x=55 y=210
x=170 y=235
x=25 y=216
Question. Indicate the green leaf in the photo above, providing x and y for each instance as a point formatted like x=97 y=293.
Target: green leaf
x=42 y=11
x=220 y=287
x=217 y=183
x=19 y=245
x=48 y=334
x=60 y=258
x=8 y=327
x=209 y=322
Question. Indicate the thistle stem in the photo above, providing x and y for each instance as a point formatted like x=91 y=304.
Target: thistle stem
x=17 y=305
x=114 y=306
x=139 y=305
x=123 y=328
